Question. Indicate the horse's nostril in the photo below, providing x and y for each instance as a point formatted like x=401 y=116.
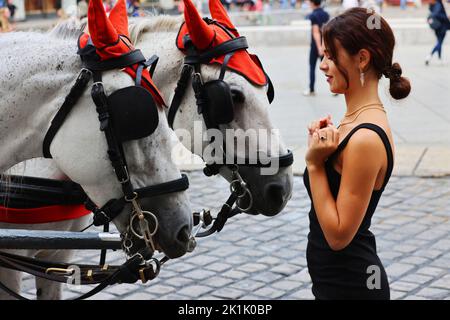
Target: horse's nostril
x=275 y=193
x=183 y=235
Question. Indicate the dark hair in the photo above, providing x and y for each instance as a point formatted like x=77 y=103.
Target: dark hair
x=316 y=2
x=354 y=33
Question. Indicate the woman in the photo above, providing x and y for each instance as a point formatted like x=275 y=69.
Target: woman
x=349 y=167
x=437 y=13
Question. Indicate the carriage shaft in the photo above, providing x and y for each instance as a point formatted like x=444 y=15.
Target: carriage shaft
x=45 y=239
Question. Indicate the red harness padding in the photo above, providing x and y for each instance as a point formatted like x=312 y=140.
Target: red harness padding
x=242 y=62
x=45 y=214
x=121 y=47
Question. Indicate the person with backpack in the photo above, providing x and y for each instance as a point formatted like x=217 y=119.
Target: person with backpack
x=440 y=23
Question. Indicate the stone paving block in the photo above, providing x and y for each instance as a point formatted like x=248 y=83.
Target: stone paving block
x=248 y=285
x=286 y=269
x=254 y=253
x=427 y=253
x=417 y=278
x=178 y=281
x=267 y=276
x=413 y=297
x=122 y=289
x=285 y=285
x=235 y=274
x=443 y=244
x=433 y=293
x=160 y=289
x=218 y=267
x=199 y=274
x=175 y=296
x=140 y=295
x=268 y=260
x=442 y=283
x=269 y=293
x=252 y=267
x=228 y=293
x=103 y=296
x=202 y=260
x=194 y=291
x=417 y=261
x=302 y=276
x=404 y=286
x=218 y=282
x=251 y=297
x=397 y=295
x=396 y=270
x=286 y=254
x=302 y=294
x=177 y=266
x=441 y=262
x=431 y=271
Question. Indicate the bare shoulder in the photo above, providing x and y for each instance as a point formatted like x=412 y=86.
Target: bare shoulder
x=365 y=144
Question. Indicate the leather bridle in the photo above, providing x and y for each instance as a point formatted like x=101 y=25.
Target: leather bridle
x=192 y=71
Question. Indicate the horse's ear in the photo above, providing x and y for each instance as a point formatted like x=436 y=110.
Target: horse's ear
x=219 y=13
x=100 y=28
x=119 y=17
x=199 y=31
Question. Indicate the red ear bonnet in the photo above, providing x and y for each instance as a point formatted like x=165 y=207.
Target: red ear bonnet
x=206 y=36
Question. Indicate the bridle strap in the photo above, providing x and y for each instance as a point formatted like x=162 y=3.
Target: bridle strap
x=69 y=102
x=125 y=60
x=224 y=48
x=180 y=90
x=113 y=207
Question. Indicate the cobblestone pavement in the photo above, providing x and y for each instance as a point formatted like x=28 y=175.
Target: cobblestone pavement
x=256 y=257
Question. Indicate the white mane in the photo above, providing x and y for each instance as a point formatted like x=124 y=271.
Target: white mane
x=162 y=23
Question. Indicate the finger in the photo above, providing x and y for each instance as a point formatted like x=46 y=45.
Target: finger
x=329 y=136
x=315 y=137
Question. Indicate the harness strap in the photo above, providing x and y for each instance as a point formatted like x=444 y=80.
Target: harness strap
x=232 y=45
x=69 y=102
x=124 y=60
x=31 y=192
x=114 y=207
x=180 y=90
x=129 y=272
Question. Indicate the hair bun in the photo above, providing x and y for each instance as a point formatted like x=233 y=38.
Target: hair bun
x=399 y=86
x=393 y=72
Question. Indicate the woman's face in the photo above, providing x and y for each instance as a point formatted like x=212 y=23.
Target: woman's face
x=335 y=78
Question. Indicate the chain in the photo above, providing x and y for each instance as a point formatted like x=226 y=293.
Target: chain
x=361 y=110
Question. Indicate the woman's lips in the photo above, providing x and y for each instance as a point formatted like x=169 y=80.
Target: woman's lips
x=329 y=78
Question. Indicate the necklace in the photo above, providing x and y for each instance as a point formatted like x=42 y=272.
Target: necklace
x=361 y=110
x=357 y=109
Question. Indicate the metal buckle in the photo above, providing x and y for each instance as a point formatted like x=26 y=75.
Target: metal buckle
x=67 y=272
x=126 y=179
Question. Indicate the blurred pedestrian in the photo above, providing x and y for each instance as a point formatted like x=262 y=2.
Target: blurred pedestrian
x=318 y=18
x=440 y=23
x=4 y=17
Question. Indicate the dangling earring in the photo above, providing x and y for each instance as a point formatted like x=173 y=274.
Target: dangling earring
x=361 y=78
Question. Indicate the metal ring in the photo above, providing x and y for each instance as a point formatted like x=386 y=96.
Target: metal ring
x=247 y=191
x=135 y=195
x=152 y=233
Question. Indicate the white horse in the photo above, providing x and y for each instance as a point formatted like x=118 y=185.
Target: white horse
x=36 y=73
x=158 y=35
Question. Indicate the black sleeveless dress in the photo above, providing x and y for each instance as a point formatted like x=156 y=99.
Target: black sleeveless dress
x=344 y=274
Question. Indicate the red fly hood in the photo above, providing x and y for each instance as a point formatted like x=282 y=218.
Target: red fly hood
x=111 y=39
x=206 y=35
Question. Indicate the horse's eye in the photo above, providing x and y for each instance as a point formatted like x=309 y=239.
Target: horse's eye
x=237 y=95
